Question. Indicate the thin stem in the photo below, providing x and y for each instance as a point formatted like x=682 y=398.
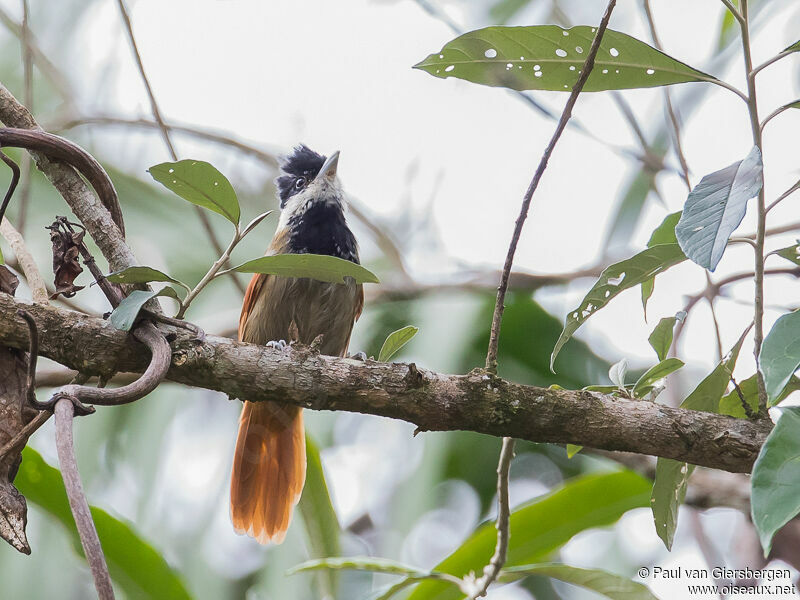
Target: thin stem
x=492 y=570
x=772 y=60
x=26 y=262
x=752 y=104
x=778 y=111
x=673 y=119
x=213 y=272
x=65 y=411
x=783 y=197
x=27 y=98
x=204 y=220
x=710 y=295
x=734 y=11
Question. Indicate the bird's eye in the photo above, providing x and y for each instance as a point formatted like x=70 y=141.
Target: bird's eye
x=300 y=183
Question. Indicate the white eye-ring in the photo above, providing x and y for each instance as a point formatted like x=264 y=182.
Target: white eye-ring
x=300 y=183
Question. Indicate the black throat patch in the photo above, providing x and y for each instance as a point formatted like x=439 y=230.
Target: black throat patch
x=322 y=229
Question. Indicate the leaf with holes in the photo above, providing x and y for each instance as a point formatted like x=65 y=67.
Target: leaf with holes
x=672 y=476
x=395 y=341
x=648 y=380
x=542 y=526
x=315 y=266
x=547 y=57
x=716 y=207
x=200 y=183
x=135 y=566
x=616 y=279
x=143 y=275
x=661 y=337
x=319 y=517
x=663 y=234
x=780 y=354
x=602 y=582
x=775 y=482
x=124 y=316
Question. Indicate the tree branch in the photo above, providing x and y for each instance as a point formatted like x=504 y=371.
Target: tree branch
x=432 y=401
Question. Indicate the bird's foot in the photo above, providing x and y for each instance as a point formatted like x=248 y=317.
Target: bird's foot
x=280 y=345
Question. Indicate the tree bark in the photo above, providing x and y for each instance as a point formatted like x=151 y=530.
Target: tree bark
x=433 y=401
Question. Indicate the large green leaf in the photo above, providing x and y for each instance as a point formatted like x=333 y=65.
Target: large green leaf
x=543 y=526
x=124 y=316
x=715 y=208
x=139 y=570
x=672 y=476
x=200 y=183
x=604 y=583
x=139 y=274
x=775 y=482
x=547 y=57
x=780 y=354
x=616 y=279
x=319 y=517
x=790 y=253
x=395 y=341
x=316 y=266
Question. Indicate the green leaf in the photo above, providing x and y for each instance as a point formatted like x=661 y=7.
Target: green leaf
x=542 y=526
x=359 y=563
x=790 y=253
x=395 y=341
x=142 y=275
x=669 y=490
x=139 y=570
x=505 y=10
x=125 y=314
x=319 y=517
x=663 y=234
x=794 y=47
x=661 y=337
x=616 y=279
x=604 y=583
x=316 y=266
x=731 y=403
x=200 y=183
x=655 y=373
x=727 y=29
x=618 y=372
x=716 y=207
x=573 y=449
x=547 y=57
x=672 y=476
x=775 y=482
x=780 y=354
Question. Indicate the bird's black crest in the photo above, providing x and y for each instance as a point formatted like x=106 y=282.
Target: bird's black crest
x=303 y=162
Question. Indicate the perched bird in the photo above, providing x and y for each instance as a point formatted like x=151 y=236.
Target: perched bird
x=269 y=465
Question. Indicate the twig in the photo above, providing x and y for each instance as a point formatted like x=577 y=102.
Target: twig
x=775 y=113
x=19 y=440
x=673 y=119
x=12 y=185
x=710 y=298
x=65 y=411
x=770 y=61
x=780 y=199
x=204 y=220
x=43 y=64
x=752 y=105
x=27 y=98
x=26 y=262
x=492 y=570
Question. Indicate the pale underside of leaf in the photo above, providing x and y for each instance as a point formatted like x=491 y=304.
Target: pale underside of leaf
x=716 y=207
x=321 y=267
x=780 y=354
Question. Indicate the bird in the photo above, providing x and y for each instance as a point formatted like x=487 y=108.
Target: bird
x=269 y=464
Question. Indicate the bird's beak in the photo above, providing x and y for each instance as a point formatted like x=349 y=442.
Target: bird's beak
x=329 y=168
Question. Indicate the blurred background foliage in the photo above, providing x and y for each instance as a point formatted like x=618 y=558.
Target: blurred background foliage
x=161 y=465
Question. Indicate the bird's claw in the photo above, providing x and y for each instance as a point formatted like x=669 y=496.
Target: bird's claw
x=278 y=345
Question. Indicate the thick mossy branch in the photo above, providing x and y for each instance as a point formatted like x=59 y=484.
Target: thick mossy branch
x=432 y=401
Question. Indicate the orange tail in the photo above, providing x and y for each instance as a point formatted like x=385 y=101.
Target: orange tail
x=269 y=469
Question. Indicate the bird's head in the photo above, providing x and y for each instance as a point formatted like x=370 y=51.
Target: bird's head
x=308 y=179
